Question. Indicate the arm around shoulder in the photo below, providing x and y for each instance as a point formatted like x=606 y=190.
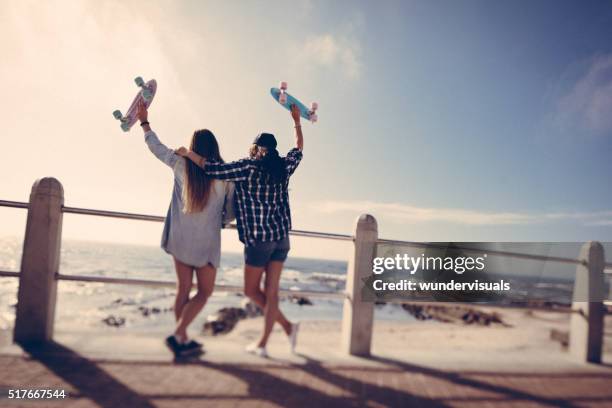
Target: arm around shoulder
x=229 y=214
x=233 y=171
x=193 y=156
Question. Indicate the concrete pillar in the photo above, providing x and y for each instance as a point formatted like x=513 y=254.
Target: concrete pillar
x=358 y=316
x=39 y=263
x=587 y=320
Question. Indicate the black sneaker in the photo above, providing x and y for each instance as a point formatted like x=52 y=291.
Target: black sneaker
x=192 y=348
x=173 y=344
x=193 y=343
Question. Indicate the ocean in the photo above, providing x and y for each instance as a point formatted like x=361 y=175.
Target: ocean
x=89 y=306
x=85 y=305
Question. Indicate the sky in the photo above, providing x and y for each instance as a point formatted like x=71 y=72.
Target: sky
x=446 y=120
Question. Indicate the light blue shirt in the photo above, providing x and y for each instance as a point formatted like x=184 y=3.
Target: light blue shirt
x=192 y=238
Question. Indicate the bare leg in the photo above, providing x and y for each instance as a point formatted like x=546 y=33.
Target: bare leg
x=252 y=282
x=206 y=282
x=184 y=275
x=271 y=310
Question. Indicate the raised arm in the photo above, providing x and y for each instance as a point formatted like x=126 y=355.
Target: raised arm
x=293 y=158
x=161 y=151
x=299 y=137
x=143 y=116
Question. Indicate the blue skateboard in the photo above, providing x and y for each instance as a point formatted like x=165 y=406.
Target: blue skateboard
x=286 y=100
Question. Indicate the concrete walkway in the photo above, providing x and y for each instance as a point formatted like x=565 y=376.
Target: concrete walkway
x=378 y=381
x=116 y=383
x=119 y=369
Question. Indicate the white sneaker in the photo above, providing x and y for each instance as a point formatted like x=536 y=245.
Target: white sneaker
x=257 y=351
x=295 y=327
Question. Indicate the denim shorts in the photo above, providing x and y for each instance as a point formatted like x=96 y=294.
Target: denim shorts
x=260 y=253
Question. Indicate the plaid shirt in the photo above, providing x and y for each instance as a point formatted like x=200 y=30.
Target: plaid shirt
x=261 y=205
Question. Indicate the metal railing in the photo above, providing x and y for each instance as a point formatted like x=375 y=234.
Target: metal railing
x=523 y=256
x=157 y=283
x=39 y=274
x=311 y=234
x=157 y=218
x=507 y=254
x=301 y=233
x=9 y=274
x=13 y=204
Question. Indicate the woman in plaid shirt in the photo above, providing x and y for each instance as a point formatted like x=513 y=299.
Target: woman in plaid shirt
x=263 y=218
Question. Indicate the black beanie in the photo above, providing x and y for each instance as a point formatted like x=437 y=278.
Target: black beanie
x=266 y=140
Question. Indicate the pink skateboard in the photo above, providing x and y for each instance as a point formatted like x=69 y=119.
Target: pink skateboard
x=145 y=95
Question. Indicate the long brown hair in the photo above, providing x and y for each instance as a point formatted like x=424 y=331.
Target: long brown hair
x=270 y=162
x=196 y=189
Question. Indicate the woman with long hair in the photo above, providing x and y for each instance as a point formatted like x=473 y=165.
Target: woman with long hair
x=192 y=229
x=263 y=217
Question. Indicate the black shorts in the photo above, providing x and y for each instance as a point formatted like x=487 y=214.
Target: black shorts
x=260 y=253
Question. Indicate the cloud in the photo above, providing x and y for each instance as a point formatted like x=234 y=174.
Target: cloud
x=592 y=219
x=588 y=103
x=413 y=214
x=600 y=223
x=331 y=51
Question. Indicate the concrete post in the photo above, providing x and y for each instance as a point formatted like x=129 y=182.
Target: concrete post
x=358 y=316
x=586 y=324
x=39 y=263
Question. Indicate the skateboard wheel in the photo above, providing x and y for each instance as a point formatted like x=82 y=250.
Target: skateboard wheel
x=282 y=99
x=283 y=85
x=146 y=94
x=117 y=114
x=139 y=81
x=314 y=106
x=313 y=118
x=125 y=127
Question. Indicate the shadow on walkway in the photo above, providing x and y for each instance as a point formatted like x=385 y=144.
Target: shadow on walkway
x=274 y=388
x=91 y=381
x=393 y=383
x=283 y=385
x=510 y=394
